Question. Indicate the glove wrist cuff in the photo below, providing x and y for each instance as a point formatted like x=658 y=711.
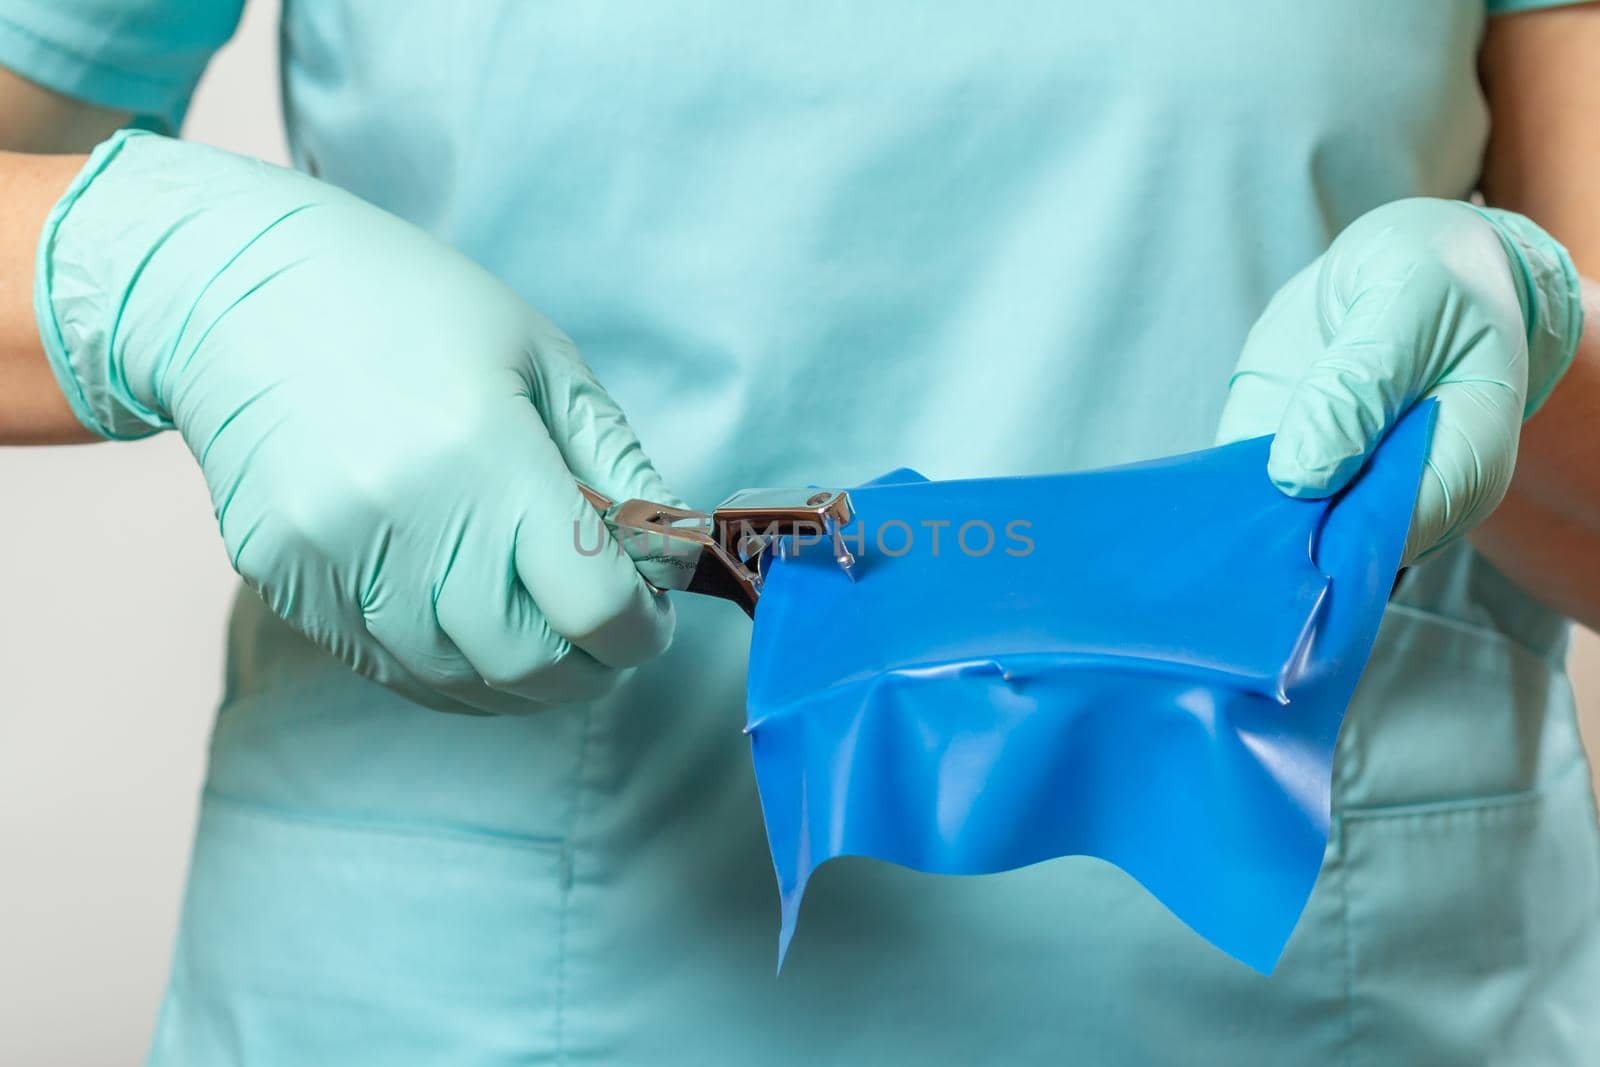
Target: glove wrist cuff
x=1551 y=295
x=80 y=357
x=133 y=270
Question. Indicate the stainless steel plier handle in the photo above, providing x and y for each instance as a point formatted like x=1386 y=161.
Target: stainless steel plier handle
x=718 y=553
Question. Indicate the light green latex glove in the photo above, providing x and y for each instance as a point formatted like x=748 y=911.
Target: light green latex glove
x=390 y=434
x=1476 y=308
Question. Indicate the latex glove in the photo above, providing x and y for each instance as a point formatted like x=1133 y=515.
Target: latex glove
x=1477 y=308
x=390 y=435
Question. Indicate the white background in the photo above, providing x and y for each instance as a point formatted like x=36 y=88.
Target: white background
x=113 y=593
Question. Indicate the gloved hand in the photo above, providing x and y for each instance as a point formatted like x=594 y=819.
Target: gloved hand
x=390 y=435
x=1477 y=308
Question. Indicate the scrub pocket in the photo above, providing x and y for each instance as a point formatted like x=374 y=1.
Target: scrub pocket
x=308 y=941
x=1470 y=859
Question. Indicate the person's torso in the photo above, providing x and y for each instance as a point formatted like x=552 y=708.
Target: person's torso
x=808 y=243
x=815 y=241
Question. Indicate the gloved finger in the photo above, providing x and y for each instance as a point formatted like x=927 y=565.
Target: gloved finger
x=1347 y=399
x=582 y=582
x=493 y=620
x=303 y=589
x=585 y=585
x=1471 y=458
x=1257 y=397
x=470 y=697
x=455 y=616
x=591 y=432
x=432 y=667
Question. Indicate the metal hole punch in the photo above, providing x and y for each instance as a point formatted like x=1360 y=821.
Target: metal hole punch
x=718 y=553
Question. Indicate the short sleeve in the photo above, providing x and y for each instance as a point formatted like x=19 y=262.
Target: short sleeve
x=1506 y=7
x=140 y=56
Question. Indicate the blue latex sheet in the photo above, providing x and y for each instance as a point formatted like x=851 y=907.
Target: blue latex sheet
x=1147 y=664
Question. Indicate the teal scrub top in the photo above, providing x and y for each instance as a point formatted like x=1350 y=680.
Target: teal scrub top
x=806 y=243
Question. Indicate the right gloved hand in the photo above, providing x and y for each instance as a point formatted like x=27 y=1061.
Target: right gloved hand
x=390 y=434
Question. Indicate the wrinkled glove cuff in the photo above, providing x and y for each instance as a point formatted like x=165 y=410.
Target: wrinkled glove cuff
x=1550 y=293
x=119 y=303
x=80 y=357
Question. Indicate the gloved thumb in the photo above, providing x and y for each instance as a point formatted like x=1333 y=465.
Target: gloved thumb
x=582 y=578
x=1351 y=394
x=1263 y=378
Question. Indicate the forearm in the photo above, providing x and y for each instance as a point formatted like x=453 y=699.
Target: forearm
x=33 y=409
x=35 y=119
x=1546 y=533
x=1543 y=160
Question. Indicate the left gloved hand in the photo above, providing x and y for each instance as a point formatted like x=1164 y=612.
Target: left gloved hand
x=1477 y=308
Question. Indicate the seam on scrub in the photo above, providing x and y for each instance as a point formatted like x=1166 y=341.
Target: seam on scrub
x=1348 y=945
x=389 y=827
x=1473 y=629
x=302 y=678
x=569 y=879
x=313 y=679
x=1467 y=805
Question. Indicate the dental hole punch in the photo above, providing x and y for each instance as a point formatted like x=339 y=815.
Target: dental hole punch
x=719 y=553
